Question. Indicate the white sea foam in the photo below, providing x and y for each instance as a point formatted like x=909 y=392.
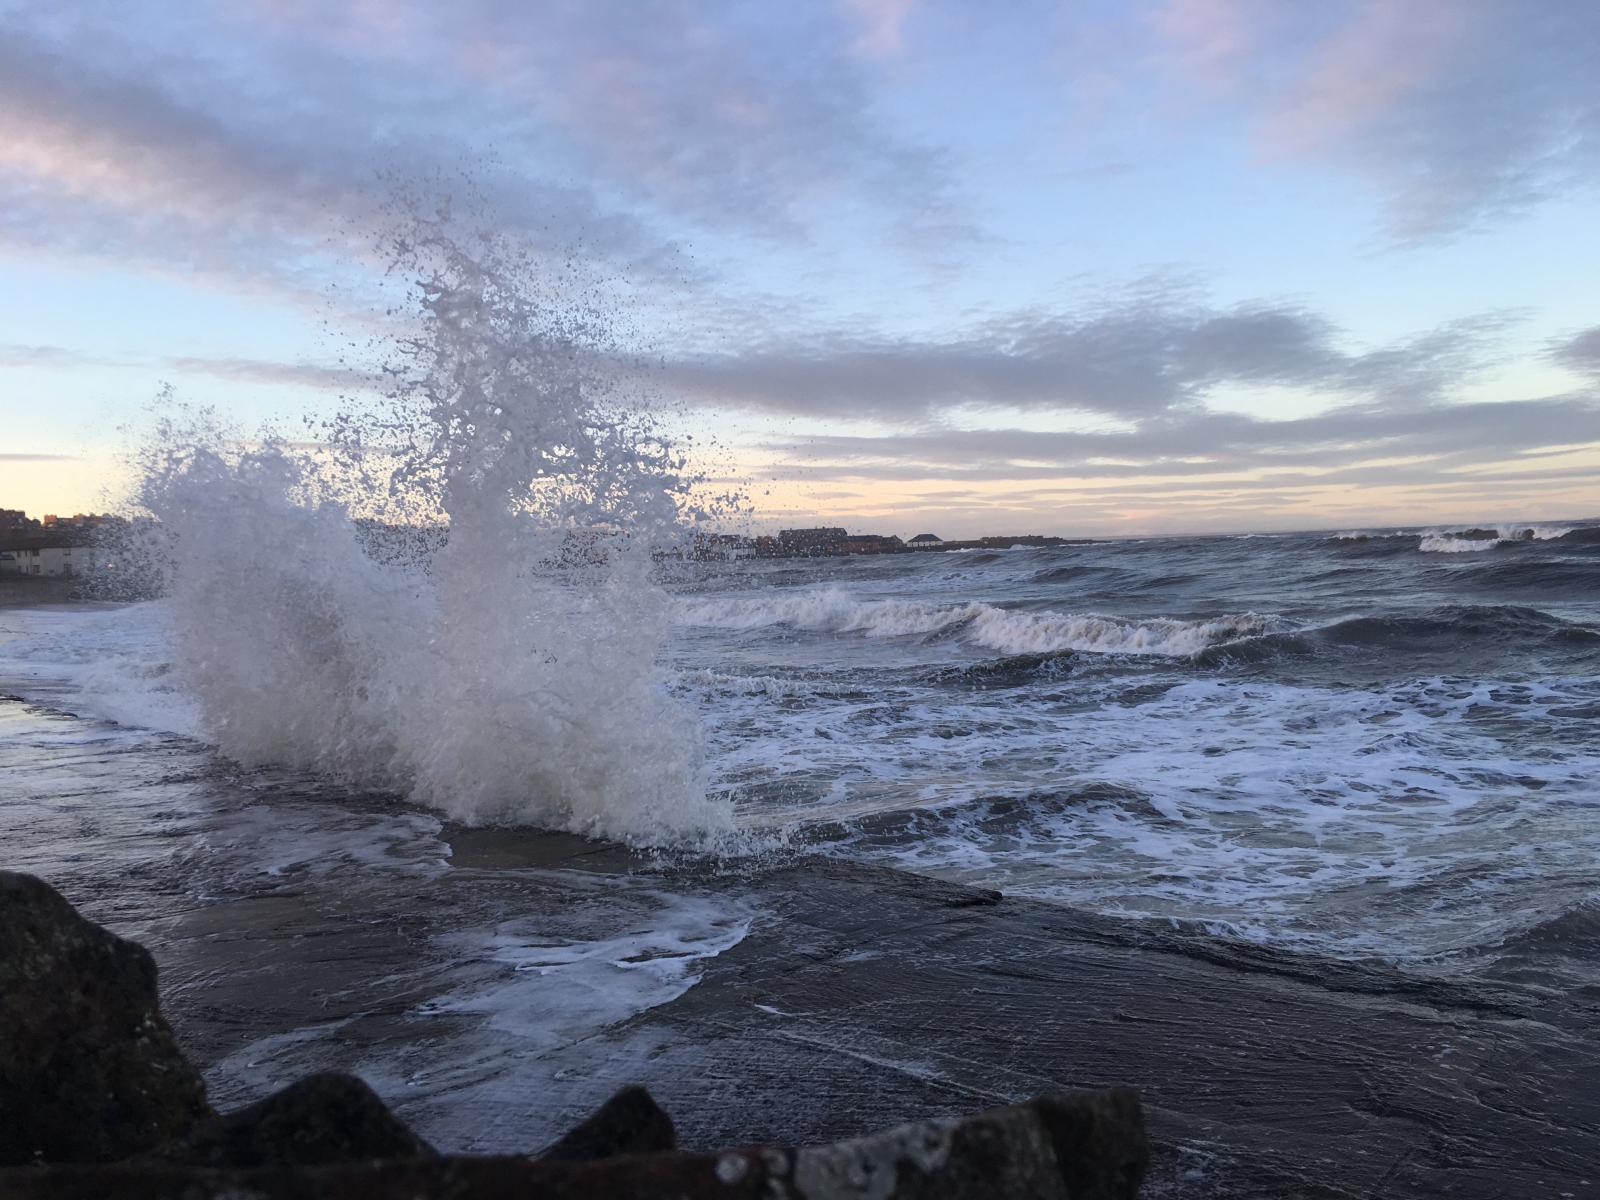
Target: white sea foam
x=1453 y=541
x=1445 y=543
x=117 y=661
x=1448 y=541
x=537 y=1003
x=1006 y=631
x=1307 y=815
x=508 y=674
x=553 y=990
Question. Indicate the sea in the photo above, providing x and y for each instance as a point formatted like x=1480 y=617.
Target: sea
x=1365 y=743
x=1377 y=744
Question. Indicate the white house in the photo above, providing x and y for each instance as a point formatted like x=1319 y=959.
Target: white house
x=36 y=556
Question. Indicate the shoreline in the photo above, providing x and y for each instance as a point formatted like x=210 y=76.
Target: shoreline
x=864 y=996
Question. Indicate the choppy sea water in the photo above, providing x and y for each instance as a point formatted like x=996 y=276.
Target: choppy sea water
x=1379 y=744
x=1369 y=744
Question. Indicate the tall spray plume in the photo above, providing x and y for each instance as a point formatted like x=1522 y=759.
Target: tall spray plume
x=450 y=593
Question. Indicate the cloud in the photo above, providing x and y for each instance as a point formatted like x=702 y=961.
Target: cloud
x=258 y=173
x=6 y=456
x=1460 y=112
x=256 y=143
x=1147 y=368
x=1129 y=360
x=732 y=116
x=749 y=118
x=297 y=374
x=1514 y=451
x=1202 y=443
x=1580 y=352
x=882 y=25
x=236 y=370
x=14 y=355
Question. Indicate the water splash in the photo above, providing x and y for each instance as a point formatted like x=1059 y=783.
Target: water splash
x=449 y=595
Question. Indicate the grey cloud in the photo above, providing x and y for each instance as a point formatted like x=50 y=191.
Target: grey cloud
x=1459 y=113
x=747 y=116
x=1580 y=352
x=8 y=457
x=252 y=152
x=756 y=118
x=238 y=370
x=15 y=355
x=1364 y=444
x=1134 y=360
x=244 y=370
x=259 y=175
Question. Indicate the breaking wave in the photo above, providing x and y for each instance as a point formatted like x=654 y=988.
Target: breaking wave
x=1446 y=543
x=450 y=597
x=1008 y=631
x=1452 y=541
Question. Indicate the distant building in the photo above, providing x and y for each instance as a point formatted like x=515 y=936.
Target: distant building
x=868 y=543
x=924 y=540
x=35 y=555
x=53 y=546
x=795 y=542
x=809 y=543
x=720 y=547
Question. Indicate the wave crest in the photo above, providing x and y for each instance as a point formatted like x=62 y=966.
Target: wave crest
x=1007 y=631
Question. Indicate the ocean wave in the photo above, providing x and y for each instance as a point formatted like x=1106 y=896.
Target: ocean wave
x=1457 y=540
x=1461 y=625
x=1069 y=572
x=1486 y=537
x=1449 y=543
x=1007 y=631
x=1013 y=670
x=1544 y=576
x=946 y=828
x=1575 y=929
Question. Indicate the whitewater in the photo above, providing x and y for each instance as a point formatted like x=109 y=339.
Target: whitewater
x=1347 y=743
x=449 y=595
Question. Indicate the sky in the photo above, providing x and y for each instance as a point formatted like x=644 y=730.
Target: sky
x=1080 y=268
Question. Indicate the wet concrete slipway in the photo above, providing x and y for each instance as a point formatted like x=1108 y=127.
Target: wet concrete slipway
x=494 y=986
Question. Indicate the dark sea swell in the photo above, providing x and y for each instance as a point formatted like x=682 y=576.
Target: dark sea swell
x=1381 y=743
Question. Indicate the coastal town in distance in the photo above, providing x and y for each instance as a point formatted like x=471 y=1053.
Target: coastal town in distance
x=54 y=546
x=828 y=541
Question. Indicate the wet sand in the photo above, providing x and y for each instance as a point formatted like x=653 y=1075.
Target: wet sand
x=857 y=997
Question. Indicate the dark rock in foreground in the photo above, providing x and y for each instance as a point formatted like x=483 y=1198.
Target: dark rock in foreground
x=325 y=1118
x=631 y=1122
x=89 y=1070
x=1086 y=1146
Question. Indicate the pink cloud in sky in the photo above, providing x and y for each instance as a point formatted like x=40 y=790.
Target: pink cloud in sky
x=1209 y=41
x=882 y=26
x=1385 y=57
x=1456 y=111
